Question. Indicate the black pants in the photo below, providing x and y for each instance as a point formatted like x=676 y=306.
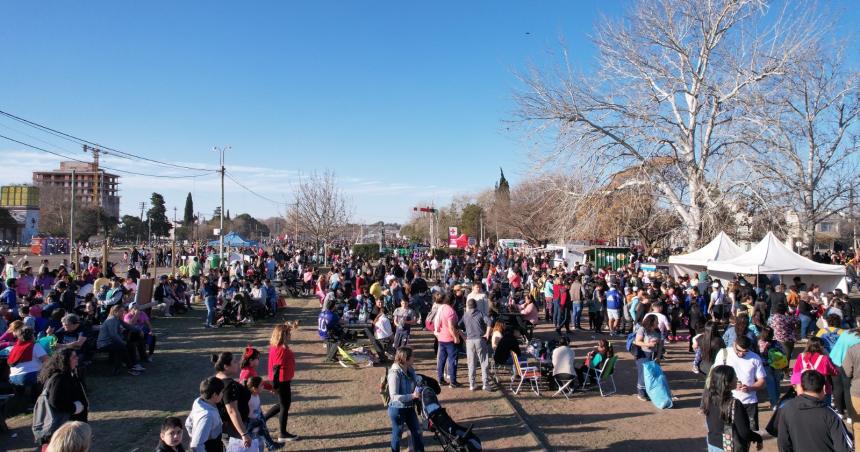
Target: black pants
x=121 y=354
x=842 y=392
x=596 y=320
x=282 y=409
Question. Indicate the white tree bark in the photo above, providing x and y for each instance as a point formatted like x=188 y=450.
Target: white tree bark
x=671 y=80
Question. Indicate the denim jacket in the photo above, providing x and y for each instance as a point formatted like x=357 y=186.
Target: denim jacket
x=401 y=385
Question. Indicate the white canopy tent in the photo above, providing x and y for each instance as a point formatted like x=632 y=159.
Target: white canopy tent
x=720 y=248
x=772 y=257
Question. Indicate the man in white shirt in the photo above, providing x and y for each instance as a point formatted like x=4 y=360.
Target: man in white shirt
x=749 y=369
x=481 y=301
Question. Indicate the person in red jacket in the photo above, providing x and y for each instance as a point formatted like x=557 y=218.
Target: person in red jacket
x=282 y=368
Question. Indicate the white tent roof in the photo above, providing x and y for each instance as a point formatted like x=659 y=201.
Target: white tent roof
x=772 y=257
x=719 y=249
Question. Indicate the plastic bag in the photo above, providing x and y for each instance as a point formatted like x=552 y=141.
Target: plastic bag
x=235 y=445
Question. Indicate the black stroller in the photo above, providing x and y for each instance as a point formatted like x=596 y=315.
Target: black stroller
x=450 y=435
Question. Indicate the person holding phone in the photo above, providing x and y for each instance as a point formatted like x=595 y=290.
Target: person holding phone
x=403 y=390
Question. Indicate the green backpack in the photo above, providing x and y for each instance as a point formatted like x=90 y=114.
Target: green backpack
x=776 y=359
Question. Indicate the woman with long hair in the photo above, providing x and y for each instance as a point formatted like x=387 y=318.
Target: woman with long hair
x=66 y=391
x=726 y=418
x=740 y=328
x=649 y=341
x=709 y=344
x=402 y=392
x=282 y=369
x=234 y=407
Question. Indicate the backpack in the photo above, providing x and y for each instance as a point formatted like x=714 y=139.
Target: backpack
x=828 y=339
x=630 y=346
x=806 y=365
x=776 y=359
x=46 y=420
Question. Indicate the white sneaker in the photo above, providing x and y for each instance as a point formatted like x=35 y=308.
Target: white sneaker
x=138 y=368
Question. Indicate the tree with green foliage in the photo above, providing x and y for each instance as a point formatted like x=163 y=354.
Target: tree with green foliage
x=249 y=227
x=503 y=189
x=157 y=215
x=470 y=220
x=188 y=219
x=131 y=228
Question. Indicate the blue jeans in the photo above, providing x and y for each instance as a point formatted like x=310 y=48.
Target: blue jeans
x=210 y=309
x=805 y=322
x=772 y=378
x=447 y=353
x=577 y=315
x=400 y=416
x=557 y=314
x=712 y=448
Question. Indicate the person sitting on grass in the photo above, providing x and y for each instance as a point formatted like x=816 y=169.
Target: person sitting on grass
x=170 y=438
x=26 y=358
x=139 y=320
x=8 y=339
x=204 y=422
x=116 y=340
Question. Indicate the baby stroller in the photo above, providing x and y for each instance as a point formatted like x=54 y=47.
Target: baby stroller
x=450 y=435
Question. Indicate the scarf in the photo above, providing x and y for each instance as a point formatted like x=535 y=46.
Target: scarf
x=21 y=353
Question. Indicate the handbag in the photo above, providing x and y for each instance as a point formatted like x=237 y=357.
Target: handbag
x=46 y=420
x=728 y=429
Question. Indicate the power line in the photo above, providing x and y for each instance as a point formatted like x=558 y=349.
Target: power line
x=102 y=166
x=252 y=191
x=78 y=140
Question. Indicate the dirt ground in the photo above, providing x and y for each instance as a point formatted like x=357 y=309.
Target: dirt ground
x=339 y=409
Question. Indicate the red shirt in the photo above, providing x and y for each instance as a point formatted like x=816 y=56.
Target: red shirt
x=282 y=356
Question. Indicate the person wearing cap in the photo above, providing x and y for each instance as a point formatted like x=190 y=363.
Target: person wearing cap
x=717 y=305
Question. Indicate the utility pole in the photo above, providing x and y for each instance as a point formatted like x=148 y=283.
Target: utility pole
x=142 y=206
x=221 y=151
x=72 y=225
x=853 y=221
x=481 y=226
x=173 y=249
x=296 y=214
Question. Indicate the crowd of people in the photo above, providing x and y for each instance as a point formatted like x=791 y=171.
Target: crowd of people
x=483 y=304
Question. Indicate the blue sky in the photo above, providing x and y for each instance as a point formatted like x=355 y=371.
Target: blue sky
x=406 y=101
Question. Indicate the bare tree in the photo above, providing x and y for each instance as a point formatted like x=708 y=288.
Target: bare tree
x=803 y=139
x=670 y=82
x=321 y=207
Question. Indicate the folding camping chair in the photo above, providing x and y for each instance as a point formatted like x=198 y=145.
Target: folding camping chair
x=530 y=373
x=602 y=375
x=566 y=385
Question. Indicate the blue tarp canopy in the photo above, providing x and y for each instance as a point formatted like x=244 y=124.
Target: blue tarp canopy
x=234 y=239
